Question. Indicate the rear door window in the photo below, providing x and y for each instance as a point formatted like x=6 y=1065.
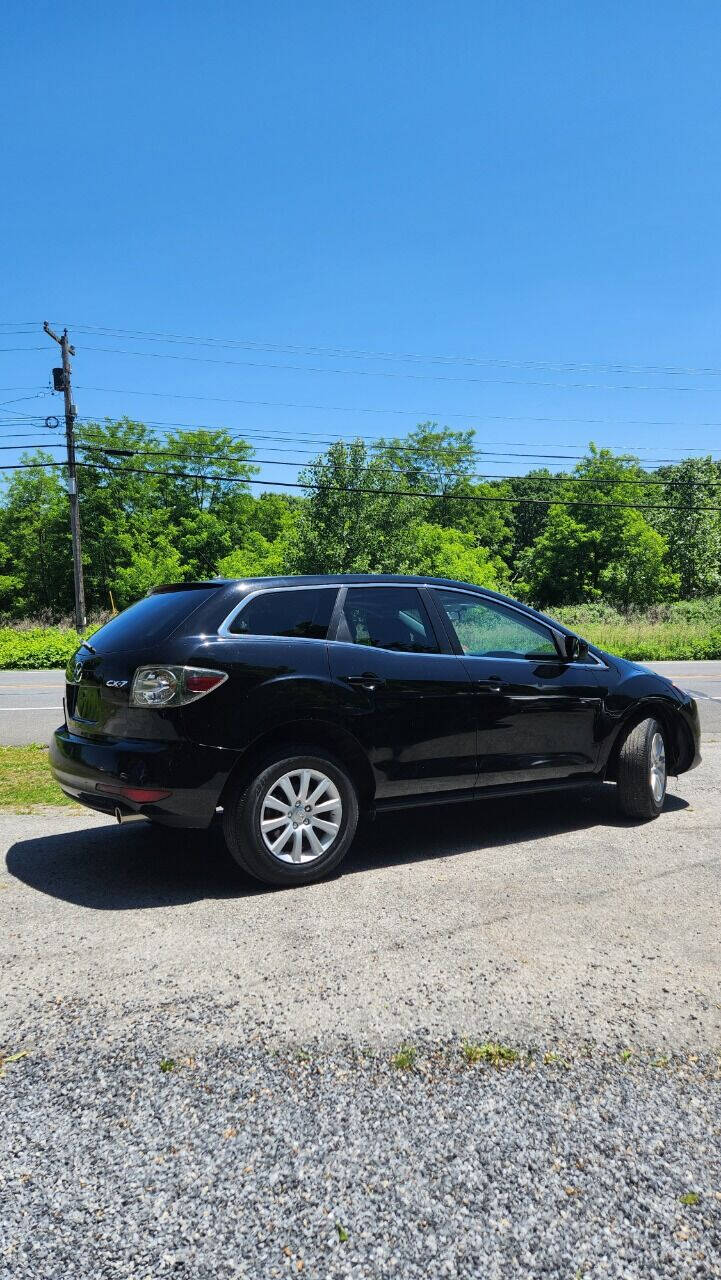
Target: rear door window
x=388 y=618
x=303 y=613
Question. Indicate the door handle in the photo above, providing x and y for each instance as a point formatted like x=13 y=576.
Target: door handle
x=492 y=685
x=368 y=680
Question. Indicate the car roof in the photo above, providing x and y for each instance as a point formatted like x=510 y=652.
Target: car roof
x=333 y=579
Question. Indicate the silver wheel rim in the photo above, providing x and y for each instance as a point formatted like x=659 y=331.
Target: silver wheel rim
x=658 y=768
x=300 y=816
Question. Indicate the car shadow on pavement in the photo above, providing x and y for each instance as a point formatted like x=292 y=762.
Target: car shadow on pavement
x=111 y=868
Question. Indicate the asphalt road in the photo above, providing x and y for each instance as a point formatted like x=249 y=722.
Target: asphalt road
x=31 y=702
x=31 y=706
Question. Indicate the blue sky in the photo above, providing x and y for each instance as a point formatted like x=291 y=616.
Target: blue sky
x=512 y=182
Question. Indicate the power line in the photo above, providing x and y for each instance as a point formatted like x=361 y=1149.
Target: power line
x=560 y=478
x=505 y=456
x=388 y=373
x=362 y=489
x=609 y=366
x=416 y=413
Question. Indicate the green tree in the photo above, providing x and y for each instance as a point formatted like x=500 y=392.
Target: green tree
x=450 y=553
x=351 y=522
x=601 y=544
x=441 y=461
x=257 y=558
x=554 y=570
x=641 y=575
x=693 y=534
x=535 y=492
x=146 y=568
x=186 y=492
x=34 y=529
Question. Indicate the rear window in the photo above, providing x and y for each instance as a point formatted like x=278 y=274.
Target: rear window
x=303 y=613
x=152 y=618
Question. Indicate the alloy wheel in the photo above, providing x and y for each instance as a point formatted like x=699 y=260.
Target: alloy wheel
x=658 y=767
x=300 y=816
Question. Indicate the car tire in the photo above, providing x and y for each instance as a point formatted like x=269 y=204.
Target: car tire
x=642 y=771
x=261 y=834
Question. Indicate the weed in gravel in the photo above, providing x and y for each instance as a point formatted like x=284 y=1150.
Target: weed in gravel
x=691 y=1197
x=660 y=1062
x=625 y=1055
x=551 y=1059
x=343 y=1234
x=497 y=1055
x=405 y=1058
x=167 y=1064
x=7 y=1058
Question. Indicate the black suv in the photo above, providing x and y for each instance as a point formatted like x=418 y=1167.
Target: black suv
x=291 y=703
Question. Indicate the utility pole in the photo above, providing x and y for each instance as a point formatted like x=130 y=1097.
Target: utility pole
x=61 y=382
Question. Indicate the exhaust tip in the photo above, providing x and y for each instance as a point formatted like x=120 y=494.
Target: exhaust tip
x=122 y=818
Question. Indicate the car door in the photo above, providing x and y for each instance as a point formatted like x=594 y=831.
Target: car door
x=404 y=693
x=537 y=714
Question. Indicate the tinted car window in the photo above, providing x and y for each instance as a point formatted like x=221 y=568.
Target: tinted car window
x=152 y=618
x=389 y=618
x=304 y=613
x=485 y=629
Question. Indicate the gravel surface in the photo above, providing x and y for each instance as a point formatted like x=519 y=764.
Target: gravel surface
x=244 y=1162
x=281 y=1125
x=553 y=917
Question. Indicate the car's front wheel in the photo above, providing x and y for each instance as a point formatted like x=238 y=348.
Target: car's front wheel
x=642 y=771
x=294 y=821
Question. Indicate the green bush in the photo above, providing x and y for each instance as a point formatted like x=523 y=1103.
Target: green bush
x=37 y=648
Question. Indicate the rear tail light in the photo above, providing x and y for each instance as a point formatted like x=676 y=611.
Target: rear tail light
x=173 y=686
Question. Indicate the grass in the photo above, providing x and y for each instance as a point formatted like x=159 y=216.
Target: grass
x=495 y=1054
x=25 y=779
x=6 y=1059
x=685 y=630
x=691 y=1197
x=405 y=1057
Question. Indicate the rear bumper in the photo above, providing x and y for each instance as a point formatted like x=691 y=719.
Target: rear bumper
x=94 y=772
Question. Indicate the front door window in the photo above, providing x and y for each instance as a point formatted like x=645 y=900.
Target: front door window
x=488 y=630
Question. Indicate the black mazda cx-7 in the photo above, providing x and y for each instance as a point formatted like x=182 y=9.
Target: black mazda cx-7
x=290 y=704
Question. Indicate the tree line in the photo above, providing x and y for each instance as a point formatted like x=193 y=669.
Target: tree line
x=179 y=507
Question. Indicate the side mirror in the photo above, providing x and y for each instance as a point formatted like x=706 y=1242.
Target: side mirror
x=575 y=648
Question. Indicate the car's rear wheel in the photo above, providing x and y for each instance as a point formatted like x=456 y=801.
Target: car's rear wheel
x=642 y=771
x=294 y=821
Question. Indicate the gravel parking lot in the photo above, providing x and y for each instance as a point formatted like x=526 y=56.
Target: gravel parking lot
x=280 y=1124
